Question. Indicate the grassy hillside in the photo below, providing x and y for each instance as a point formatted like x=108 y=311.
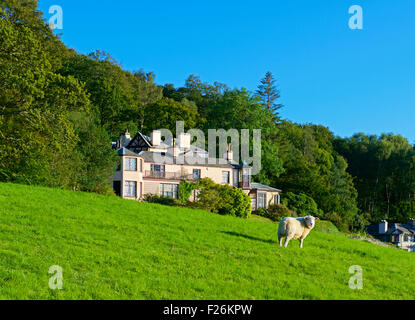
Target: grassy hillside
x=111 y=248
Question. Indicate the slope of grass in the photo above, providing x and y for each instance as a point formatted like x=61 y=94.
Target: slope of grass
x=111 y=248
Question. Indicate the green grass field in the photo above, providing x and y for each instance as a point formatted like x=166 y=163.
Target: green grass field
x=111 y=248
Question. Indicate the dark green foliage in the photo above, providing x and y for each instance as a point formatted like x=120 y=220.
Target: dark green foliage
x=269 y=94
x=37 y=138
x=313 y=167
x=357 y=224
x=384 y=171
x=97 y=162
x=167 y=201
x=276 y=212
x=261 y=212
x=48 y=134
x=302 y=204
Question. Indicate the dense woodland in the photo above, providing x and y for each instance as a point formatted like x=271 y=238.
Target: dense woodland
x=60 y=111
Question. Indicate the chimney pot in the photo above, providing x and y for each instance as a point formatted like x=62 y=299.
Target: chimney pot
x=383 y=227
x=156 y=138
x=184 y=141
x=229 y=153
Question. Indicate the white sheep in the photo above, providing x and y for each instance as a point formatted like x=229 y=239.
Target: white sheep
x=295 y=228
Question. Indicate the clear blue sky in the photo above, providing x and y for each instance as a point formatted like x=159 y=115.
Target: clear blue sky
x=349 y=80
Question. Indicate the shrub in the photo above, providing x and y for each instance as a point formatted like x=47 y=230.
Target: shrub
x=340 y=222
x=301 y=203
x=241 y=203
x=276 y=212
x=185 y=191
x=261 y=212
x=222 y=199
x=209 y=197
x=155 y=198
x=357 y=223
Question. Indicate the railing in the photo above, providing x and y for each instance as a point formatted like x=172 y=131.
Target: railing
x=168 y=175
x=244 y=184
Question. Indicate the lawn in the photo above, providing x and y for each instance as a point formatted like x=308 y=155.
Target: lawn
x=110 y=248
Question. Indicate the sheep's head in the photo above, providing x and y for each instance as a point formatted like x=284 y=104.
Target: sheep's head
x=310 y=221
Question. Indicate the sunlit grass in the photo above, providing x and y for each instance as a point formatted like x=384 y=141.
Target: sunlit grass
x=111 y=248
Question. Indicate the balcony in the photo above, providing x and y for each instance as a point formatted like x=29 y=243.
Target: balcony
x=245 y=185
x=168 y=175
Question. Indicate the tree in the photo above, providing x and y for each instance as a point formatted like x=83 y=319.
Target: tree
x=314 y=168
x=165 y=113
x=383 y=168
x=269 y=94
x=146 y=93
x=37 y=138
x=96 y=161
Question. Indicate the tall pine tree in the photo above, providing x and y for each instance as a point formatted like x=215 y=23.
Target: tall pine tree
x=269 y=94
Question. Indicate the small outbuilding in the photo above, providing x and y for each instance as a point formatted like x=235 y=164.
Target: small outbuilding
x=400 y=234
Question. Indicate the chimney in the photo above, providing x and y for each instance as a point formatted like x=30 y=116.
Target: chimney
x=176 y=150
x=124 y=139
x=127 y=135
x=156 y=138
x=229 y=153
x=383 y=227
x=184 y=141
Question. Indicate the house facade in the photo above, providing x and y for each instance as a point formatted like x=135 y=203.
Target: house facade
x=150 y=166
x=400 y=234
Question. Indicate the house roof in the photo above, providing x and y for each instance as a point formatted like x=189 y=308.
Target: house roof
x=258 y=186
x=401 y=228
x=126 y=152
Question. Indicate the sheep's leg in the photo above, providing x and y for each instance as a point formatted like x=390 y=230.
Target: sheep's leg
x=280 y=239
x=301 y=243
x=287 y=240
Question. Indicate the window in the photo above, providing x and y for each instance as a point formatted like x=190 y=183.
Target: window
x=225 y=177
x=405 y=238
x=158 y=170
x=261 y=200
x=247 y=175
x=131 y=164
x=130 y=189
x=196 y=174
x=253 y=203
x=277 y=199
x=169 y=190
x=235 y=178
